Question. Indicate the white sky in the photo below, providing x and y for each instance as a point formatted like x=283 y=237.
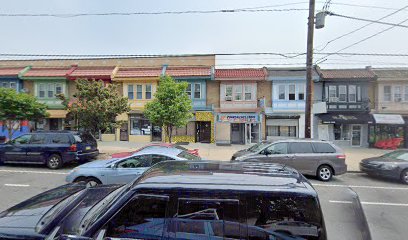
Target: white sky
x=202 y=33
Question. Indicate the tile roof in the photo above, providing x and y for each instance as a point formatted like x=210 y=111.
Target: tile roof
x=346 y=73
x=92 y=72
x=10 y=71
x=240 y=74
x=392 y=74
x=138 y=72
x=48 y=72
x=189 y=71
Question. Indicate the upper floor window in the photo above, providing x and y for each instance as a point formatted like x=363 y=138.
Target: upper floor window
x=238 y=92
x=292 y=92
x=332 y=94
x=359 y=93
x=188 y=90
x=342 y=93
x=352 y=93
x=49 y=90
x=12 y=85
x=139 y=91
x=228 y=93
x=397 y=93
x=406 y=94
x=197 y=90
x=387 y=93
x=248 y=92
x=148 y=92
x=282 y=92
x=301 y=92
x=130 y=91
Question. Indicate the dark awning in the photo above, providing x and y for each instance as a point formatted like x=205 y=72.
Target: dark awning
x=346 y=118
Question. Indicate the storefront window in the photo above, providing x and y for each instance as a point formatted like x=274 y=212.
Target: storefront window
x=341 y=132
x=139 y=125
x=384 y=132
x=188 y=130
x=281 y=131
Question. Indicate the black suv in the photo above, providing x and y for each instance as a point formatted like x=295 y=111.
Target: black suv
x=177 y=200
x=53 y=148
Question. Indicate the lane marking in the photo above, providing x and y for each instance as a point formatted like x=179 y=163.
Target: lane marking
x=16 y=185
x=28 y=171
x=373 y=203
x=359 y=186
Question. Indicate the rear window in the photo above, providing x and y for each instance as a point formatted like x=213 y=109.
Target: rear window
x=301 y=147
x=188 y=156
x=323 y=148
x=60 y=139
x=84 y=138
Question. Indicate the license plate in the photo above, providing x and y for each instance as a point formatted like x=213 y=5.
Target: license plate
x=88 y=148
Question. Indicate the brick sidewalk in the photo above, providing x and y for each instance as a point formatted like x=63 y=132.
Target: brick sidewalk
x=212 y=152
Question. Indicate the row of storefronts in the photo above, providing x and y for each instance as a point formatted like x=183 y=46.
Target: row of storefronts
x=354 y=107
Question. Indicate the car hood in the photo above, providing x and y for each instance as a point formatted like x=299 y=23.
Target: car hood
x=99 y=163
x=382 y=160
x=26 y=215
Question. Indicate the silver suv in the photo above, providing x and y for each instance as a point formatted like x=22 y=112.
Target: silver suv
x=310 y=157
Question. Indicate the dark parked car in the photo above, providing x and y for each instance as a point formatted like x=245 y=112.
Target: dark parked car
x=310 y=157
x=391 y=165
x=53 y=148
x=177 y=200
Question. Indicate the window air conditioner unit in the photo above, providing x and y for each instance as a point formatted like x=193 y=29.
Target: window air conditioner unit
x=228 y=98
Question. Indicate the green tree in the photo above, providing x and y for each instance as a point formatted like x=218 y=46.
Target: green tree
x=94 y=106
x=171 y=106
x=16 y=107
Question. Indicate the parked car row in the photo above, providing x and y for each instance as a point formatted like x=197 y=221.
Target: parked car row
x=51 y=148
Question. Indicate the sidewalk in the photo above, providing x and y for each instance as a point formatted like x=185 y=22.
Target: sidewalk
x=212 y=152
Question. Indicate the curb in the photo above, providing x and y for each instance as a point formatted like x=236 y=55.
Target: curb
x=354 y=171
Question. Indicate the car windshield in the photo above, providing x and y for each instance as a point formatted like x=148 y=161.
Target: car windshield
x=399 y=155
x=96 y=211
x=258 y=147
x=188 y=156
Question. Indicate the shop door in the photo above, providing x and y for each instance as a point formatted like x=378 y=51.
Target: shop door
x=355 y=135
x=157 y=134
x=124 y=136
x=254 y=132
x=238 y=133
x=203 y=133
x=53 y=124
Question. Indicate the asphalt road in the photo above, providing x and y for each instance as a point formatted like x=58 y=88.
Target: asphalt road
x=385 y=202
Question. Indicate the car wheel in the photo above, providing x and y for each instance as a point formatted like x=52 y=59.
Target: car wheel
x=324 y=173
x=54 y=161
x=404 y=176
x=92 y=182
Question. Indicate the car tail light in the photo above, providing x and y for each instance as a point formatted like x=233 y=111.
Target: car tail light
x=73 y=148
x=341 y=156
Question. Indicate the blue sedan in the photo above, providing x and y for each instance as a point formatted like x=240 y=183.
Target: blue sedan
x=124 y=170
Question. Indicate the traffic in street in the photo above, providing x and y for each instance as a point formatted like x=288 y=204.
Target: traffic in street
x=385 y=202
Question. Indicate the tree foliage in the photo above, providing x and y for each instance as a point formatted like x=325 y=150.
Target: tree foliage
x=171 y=106
x=15 y=107
x=94 y=106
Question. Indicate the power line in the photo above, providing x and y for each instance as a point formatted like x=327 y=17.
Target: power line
x=367 y=20
x=358 y=29
x=72 y=15
x=365 y=6
x=362 y=40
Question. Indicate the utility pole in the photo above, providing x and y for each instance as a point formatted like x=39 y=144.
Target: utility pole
x=309 y=69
